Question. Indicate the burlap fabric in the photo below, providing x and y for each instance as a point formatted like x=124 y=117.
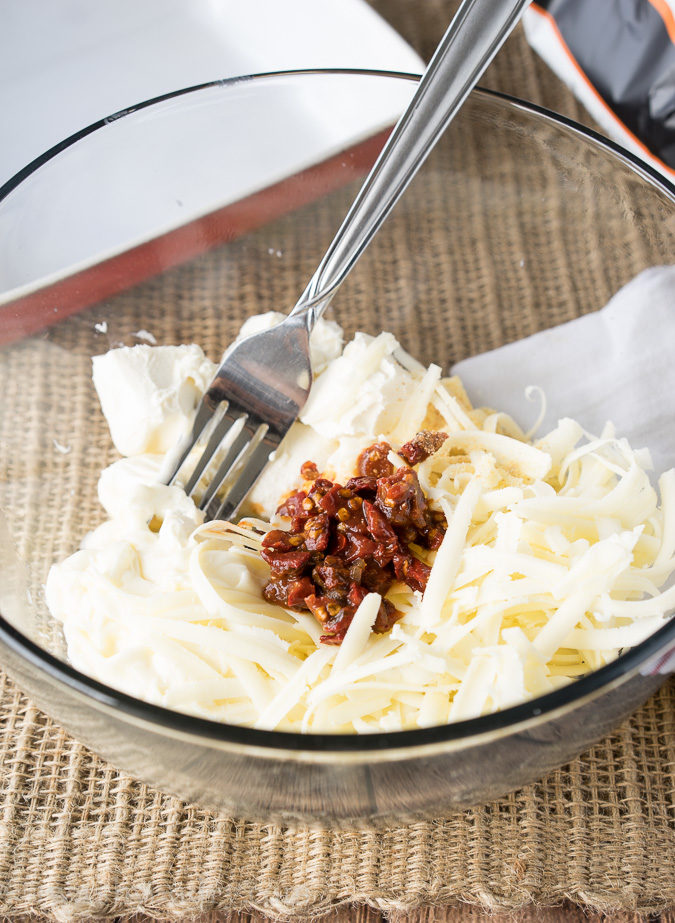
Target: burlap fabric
x=81 y=840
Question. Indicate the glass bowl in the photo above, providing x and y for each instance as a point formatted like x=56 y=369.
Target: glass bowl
x=180 y=217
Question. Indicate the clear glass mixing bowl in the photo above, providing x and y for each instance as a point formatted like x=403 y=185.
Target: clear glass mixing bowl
x=184 y=215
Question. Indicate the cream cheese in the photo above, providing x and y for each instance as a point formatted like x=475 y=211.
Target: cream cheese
x=362 y=392
x=149 y=394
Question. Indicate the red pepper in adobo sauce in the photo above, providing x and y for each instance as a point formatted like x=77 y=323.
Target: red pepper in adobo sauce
x=346 y=542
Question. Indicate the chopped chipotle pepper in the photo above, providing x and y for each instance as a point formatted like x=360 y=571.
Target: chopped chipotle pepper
x=422 y=446
x=346 y=542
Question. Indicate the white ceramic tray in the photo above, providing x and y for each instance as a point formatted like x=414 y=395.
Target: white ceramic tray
x=66 y=65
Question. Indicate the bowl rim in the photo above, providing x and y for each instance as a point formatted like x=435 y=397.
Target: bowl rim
x=589 y=685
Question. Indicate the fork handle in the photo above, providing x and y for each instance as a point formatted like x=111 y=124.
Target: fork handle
x=474 y=36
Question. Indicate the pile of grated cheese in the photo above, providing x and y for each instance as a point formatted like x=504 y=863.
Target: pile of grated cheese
x=554 y=561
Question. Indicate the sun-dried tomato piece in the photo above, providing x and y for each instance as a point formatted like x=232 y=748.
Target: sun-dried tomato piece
x=374 y=461
x=421 y=446
x=333 y=577
x=276 y=591
x=387 y=616
x=377 y=579
x=384 y=554
x=362 y=485
x=356 y=595
x=411 y=570
x=333 y=500
x=418 y=575
x=378 y=526
x=276 y=541
x=289 y=591
x=320 y=487
x=339 y=542
x=287 y=563
x=322 y=607
x=317 y=532
x=309 y=471
x=335 y=627
x=298 y=591
x=296 y=506
x=351 y=519
x=434 y=537
x=400 y=498
x=359 y=546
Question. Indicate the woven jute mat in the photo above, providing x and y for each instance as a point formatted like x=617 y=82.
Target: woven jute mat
x=81 y=840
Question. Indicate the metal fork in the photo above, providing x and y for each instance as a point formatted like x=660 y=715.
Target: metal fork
x=264 y=380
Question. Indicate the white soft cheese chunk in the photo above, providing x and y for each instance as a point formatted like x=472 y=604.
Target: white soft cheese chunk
x=362 y=392
x=129 y=489
x=118 y=481
x=148 y=394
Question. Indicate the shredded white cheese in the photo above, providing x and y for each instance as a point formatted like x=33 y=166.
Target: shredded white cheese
x=557 y=556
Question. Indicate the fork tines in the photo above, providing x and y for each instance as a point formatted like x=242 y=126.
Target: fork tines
x=228 y=449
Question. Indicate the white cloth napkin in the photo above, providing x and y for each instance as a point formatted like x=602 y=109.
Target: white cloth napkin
x=616 y=364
